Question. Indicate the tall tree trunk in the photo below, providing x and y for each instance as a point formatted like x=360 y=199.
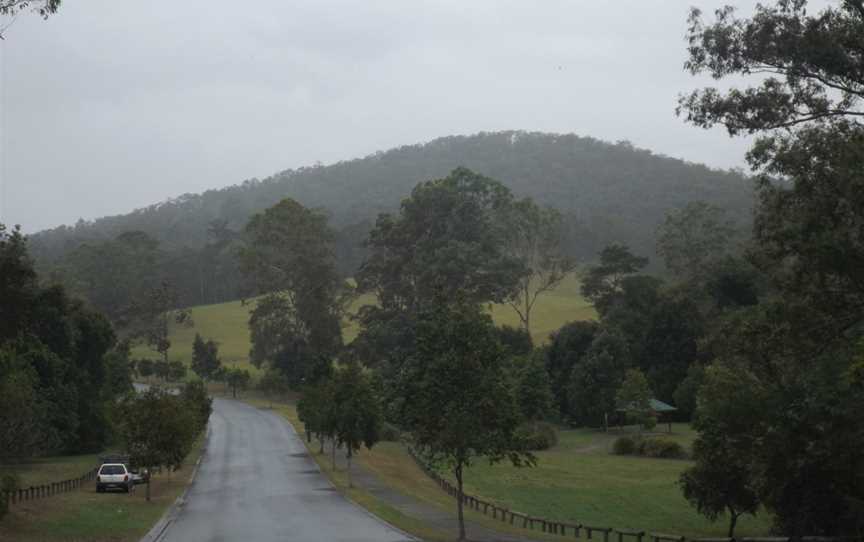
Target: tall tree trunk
x=348 y=457
x=333 y=453
x=460 y=498
x=149 y=478
x=733 y=520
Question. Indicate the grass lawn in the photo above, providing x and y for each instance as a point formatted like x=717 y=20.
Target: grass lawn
x=228 y=324
x=45 y=470
x=580 y=481
x=85 y=515
x=396 y=468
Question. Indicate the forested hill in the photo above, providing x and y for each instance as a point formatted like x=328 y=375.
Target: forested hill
x=608 y=192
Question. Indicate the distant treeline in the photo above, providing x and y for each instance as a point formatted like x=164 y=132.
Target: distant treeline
x=605 y=192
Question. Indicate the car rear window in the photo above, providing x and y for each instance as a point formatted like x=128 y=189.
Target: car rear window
x=112 y=469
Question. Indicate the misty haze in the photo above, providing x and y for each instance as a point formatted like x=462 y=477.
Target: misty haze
x=390 y=271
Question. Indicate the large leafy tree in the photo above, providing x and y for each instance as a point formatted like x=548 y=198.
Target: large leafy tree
x=205 y=358
x=568 y=348
x=604 y=282
x=156 y=313
x=595 y=380
x=809 y=63
x=460 y=403
x=358 y=413
x=805 y=108
x=316 y=408
x=534 y=236
x=159 y=428
x=288 y=255
x=448 y=237
x=634 y=397
x=18 y=283
x=723 y=480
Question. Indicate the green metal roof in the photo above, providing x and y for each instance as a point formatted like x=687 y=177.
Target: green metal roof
x=657 y=406
x=660 y=406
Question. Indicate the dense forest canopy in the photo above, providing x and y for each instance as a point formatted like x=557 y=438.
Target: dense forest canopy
x=606 y=192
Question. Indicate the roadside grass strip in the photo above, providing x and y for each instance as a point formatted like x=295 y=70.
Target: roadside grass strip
x=392 y=464
x=85 y=515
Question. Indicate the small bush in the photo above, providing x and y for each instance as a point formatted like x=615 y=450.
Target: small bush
x=665 y=449
x=534 y=436
x=624 y=446
x=649 y=422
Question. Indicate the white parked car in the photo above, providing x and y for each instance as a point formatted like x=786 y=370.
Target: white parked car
x=114 y=476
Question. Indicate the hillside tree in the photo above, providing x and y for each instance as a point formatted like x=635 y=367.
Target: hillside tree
x=205 y=358
x=158 y=429
x=634 y=398
x=534 y=237
x=804 y=107
x=461 y=405
x=288 y=255
x=723 y=480
x=156 y=313
x=604 y=281
x=358 y=412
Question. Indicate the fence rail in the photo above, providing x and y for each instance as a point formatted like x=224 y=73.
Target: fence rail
x=33 y=493
x=576 y=530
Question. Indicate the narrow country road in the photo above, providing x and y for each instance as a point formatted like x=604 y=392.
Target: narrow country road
x=257 y=483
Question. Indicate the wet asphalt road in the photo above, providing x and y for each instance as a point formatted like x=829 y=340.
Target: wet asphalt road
x=257 y=483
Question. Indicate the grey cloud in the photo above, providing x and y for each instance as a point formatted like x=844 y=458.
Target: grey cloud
x=112 y=105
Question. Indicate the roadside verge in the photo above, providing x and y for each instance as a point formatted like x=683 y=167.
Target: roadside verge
x=84 y=514
x=174 y=509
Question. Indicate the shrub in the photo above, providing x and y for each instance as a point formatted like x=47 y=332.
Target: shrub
x=666 y=449
x=624 y=446
x=536 y=436
x=649 y=422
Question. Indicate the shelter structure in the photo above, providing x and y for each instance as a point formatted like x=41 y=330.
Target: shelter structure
x=659 y=410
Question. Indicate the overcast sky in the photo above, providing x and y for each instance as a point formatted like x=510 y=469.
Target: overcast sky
x=112 y=105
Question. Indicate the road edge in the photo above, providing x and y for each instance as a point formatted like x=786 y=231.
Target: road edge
x=408 y=536
x=156 y=532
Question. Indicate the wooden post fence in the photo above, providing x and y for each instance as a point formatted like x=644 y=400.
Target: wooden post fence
x=20 y=495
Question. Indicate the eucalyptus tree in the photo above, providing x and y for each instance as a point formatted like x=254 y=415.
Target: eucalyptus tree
x=534 y=236
x=288 y=256
x=461 y=406
x=358 y=412
x=11 y=8
x=804 y=106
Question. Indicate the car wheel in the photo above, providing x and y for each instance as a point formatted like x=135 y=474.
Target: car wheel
x=100 y=489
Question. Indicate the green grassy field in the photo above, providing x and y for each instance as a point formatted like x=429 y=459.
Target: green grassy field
x=580 y=481
x=227 y=324
x=45 y=470
x=397 y=469
x=95 y=517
